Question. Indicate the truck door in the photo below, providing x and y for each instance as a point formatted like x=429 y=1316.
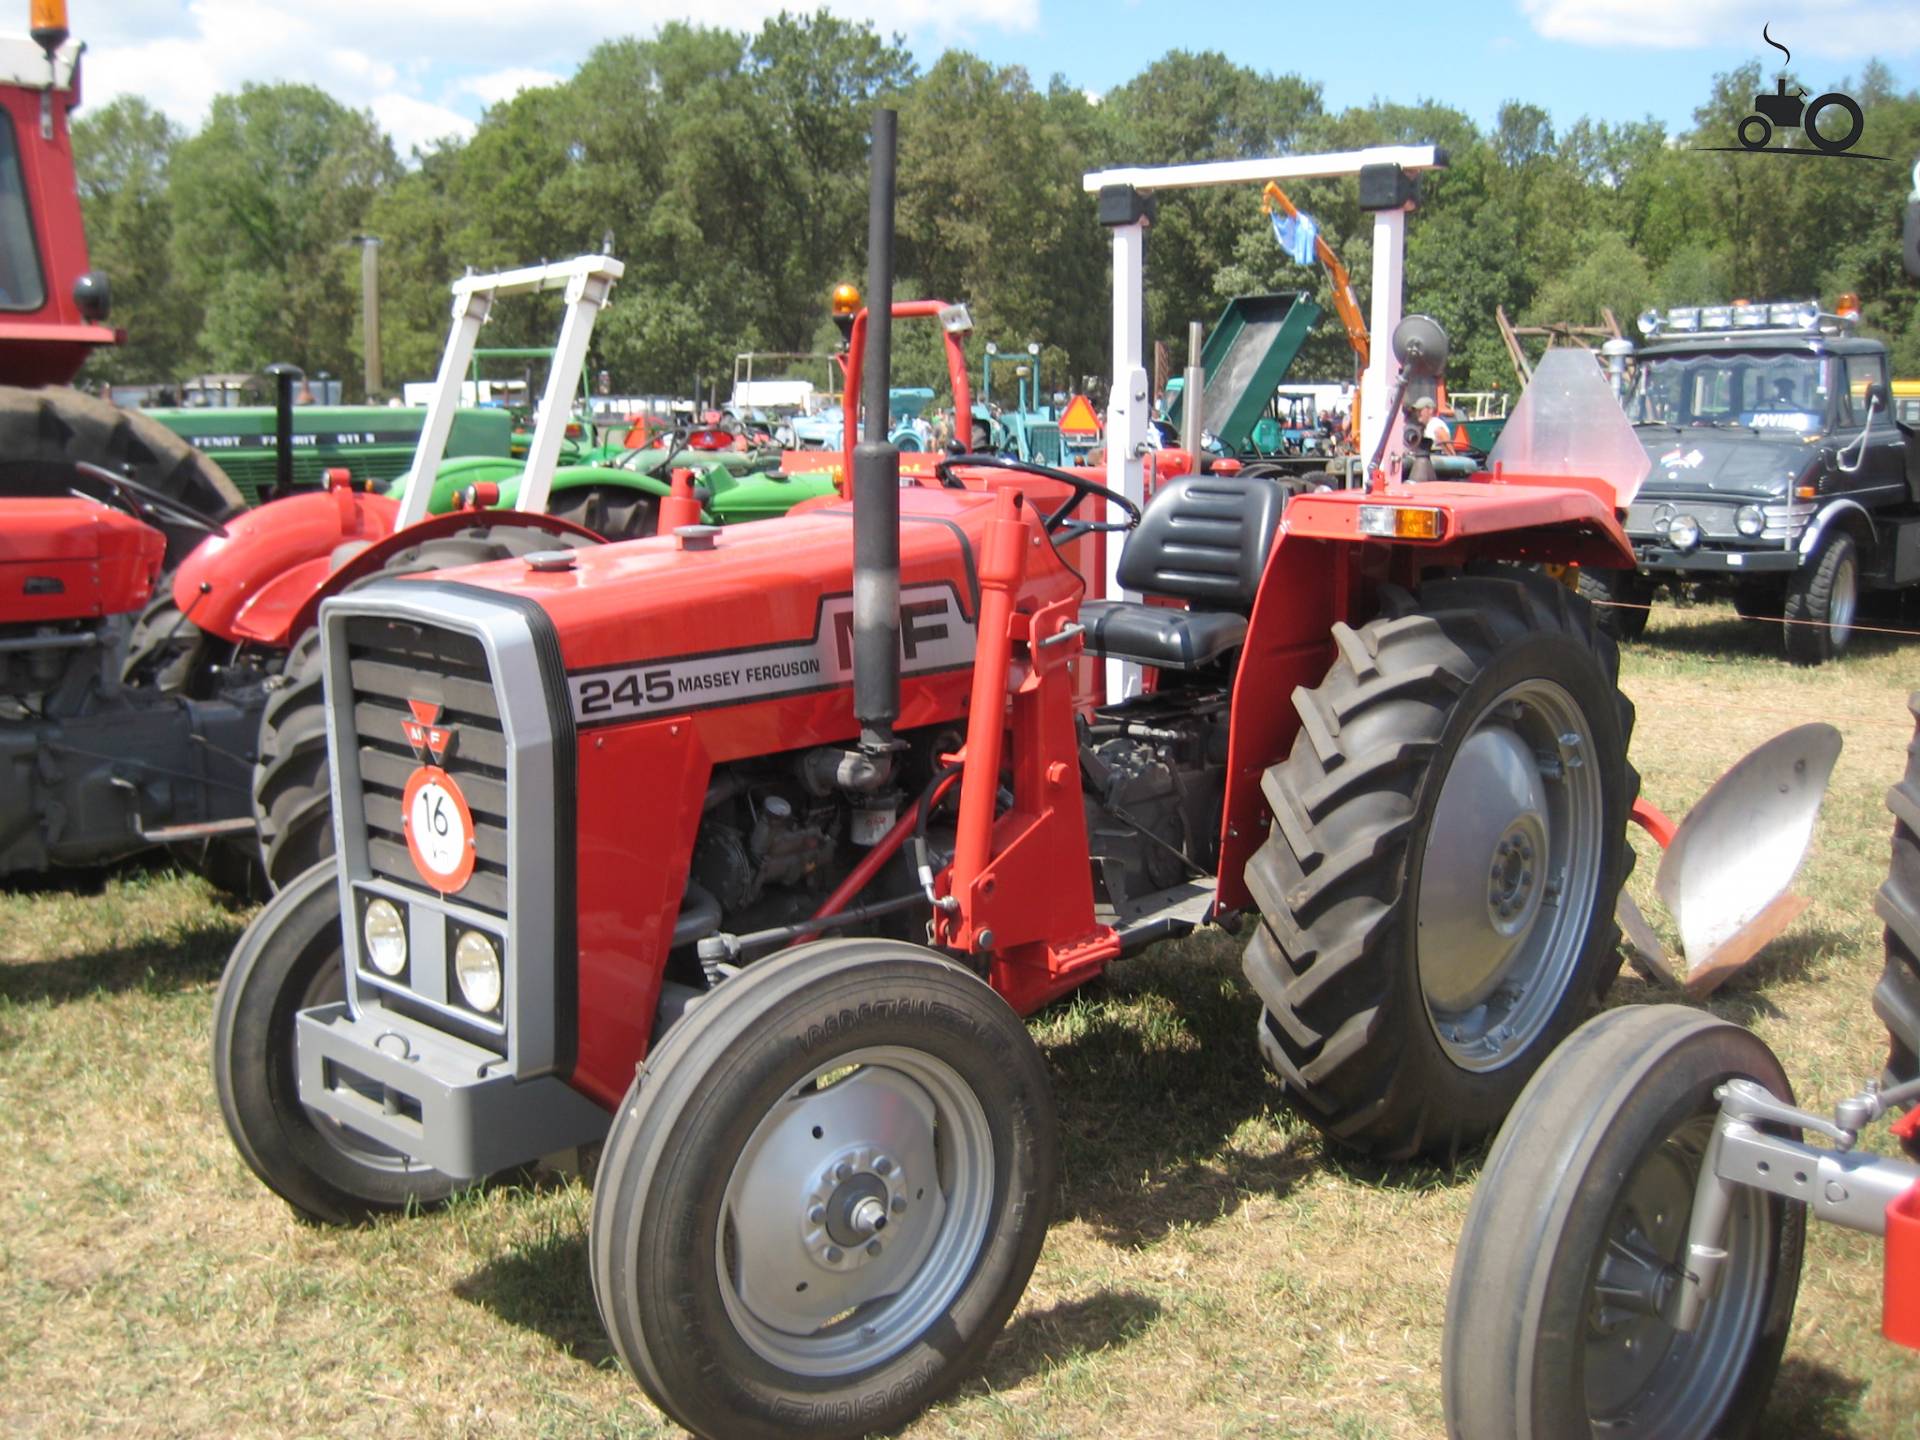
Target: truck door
x=1886 y=473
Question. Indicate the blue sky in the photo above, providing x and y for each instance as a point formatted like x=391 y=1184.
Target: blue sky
x=429 y=67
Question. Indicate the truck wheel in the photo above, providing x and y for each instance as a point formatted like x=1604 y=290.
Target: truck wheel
x=1619 y=599
x=616 y=512
x=823 y=1195
x=292 y=778
x=1577 y=1235
x=43 y=432
x=1821 y=598
x=1449 y=838
x=290 y=959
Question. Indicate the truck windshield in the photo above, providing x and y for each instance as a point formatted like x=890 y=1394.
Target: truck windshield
x=1768 y=390
x=21 y=287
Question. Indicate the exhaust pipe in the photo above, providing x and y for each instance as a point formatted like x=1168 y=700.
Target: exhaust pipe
x=876 y=477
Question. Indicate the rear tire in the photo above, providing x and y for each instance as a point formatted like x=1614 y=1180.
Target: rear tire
x=1590 y=1184
x=1426 y=941
x=1822 y=596
x=290 y=959
x=292 y=778
x=43 y=432
x=1896 y=999
x=1619 y=598
x=730 y=1262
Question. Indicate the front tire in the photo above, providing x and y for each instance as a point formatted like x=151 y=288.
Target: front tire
x=1448 y=842
x=1578 y=1230
x=1619 y=598
x=291 y=959
x=1822 y=596
x=824 y=1194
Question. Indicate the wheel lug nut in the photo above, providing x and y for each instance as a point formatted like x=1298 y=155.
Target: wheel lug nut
x=835 y=1255
x=899 y=1204
x=843 y=1171
x=873 y=1247
x=882 y=1165
x=817 y=1215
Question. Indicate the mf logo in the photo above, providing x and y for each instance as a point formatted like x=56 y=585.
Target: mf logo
x=1832 y=122
x=425 y=733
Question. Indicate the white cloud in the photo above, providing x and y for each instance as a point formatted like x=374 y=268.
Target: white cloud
x=498 y=85
x=426 y=68
x=1845 y=29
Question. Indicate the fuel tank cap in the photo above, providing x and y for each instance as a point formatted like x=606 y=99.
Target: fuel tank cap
x=697 y=537
x=545 y=560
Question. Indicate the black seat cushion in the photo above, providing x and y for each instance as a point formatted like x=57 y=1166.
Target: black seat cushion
x=1159 y=635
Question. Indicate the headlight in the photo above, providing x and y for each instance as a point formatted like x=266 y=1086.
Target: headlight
x=1749 y=520
x=1649 y=322
x=385 y=930
x=1684 y=532
x=476 y=965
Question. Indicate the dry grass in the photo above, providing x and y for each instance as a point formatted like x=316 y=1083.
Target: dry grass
x=1214 y=1271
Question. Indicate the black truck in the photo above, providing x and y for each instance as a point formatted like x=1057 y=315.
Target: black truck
x=1779 y=473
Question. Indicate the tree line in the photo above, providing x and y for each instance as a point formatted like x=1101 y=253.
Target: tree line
x=728 y=171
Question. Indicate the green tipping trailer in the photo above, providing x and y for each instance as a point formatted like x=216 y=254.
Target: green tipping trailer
x=1246 y=356
x=374 y=442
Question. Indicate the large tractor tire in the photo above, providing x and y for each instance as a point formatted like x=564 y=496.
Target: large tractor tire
x=1557 y=1319
x=1896 y=999
x=824 y=1193
x=292 y=779
x=291 y=959
x=1822 y=598
x=1448 y=842
x=43 y=432
x=1619 y=598
x=616 y=512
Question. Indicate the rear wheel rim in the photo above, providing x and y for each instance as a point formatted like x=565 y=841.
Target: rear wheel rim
x=1643 y=1378
x=856 y=1211
x=1510 y=876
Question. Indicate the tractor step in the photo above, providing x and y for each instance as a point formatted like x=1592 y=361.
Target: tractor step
x=1162 y=915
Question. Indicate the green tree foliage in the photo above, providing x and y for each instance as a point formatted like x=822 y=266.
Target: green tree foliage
x=265 y=200
x=730 y=170
x=120 y=156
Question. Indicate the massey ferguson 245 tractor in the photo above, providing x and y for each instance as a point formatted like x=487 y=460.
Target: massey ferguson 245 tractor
x=744 y=852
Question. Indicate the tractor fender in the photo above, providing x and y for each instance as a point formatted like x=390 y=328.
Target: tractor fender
x=573 y=477
x=374 y=558
x=454 y=475
x=230 y=585
x=1552 y=521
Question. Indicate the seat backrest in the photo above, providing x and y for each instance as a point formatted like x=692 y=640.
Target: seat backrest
x=1204 y=539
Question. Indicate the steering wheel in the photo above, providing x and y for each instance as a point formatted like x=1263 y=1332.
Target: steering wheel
x=1082 y=489
x=138 y=498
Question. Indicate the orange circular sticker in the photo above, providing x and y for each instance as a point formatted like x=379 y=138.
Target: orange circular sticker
x=439 y=829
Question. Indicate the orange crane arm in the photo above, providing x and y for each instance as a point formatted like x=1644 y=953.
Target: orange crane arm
x=1344 y=300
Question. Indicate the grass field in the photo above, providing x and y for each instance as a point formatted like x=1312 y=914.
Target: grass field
x=1214 y=1270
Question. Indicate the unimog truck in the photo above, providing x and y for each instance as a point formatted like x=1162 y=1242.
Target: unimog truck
x=1780 y=474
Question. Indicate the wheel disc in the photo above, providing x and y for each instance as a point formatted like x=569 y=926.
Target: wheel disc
x=1508 y=880
x=1643 y=1377
x=1845 y=598
x=856 y=1211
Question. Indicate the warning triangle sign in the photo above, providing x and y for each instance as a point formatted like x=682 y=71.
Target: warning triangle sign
x=1079 y=418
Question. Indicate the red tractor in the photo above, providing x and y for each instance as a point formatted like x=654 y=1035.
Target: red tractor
x=744 y=852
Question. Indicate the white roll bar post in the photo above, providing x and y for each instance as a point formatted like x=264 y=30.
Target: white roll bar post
x=589 y=279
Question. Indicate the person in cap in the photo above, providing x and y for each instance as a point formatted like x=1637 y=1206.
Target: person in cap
x=1434 y=434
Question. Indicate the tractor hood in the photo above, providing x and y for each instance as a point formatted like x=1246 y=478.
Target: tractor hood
x=1743 y=463
x=664 y=626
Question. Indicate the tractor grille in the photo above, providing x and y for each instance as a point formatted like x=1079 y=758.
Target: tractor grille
x=391 y=663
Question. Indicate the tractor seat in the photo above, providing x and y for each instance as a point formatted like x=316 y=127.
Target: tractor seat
x=1203 y=539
